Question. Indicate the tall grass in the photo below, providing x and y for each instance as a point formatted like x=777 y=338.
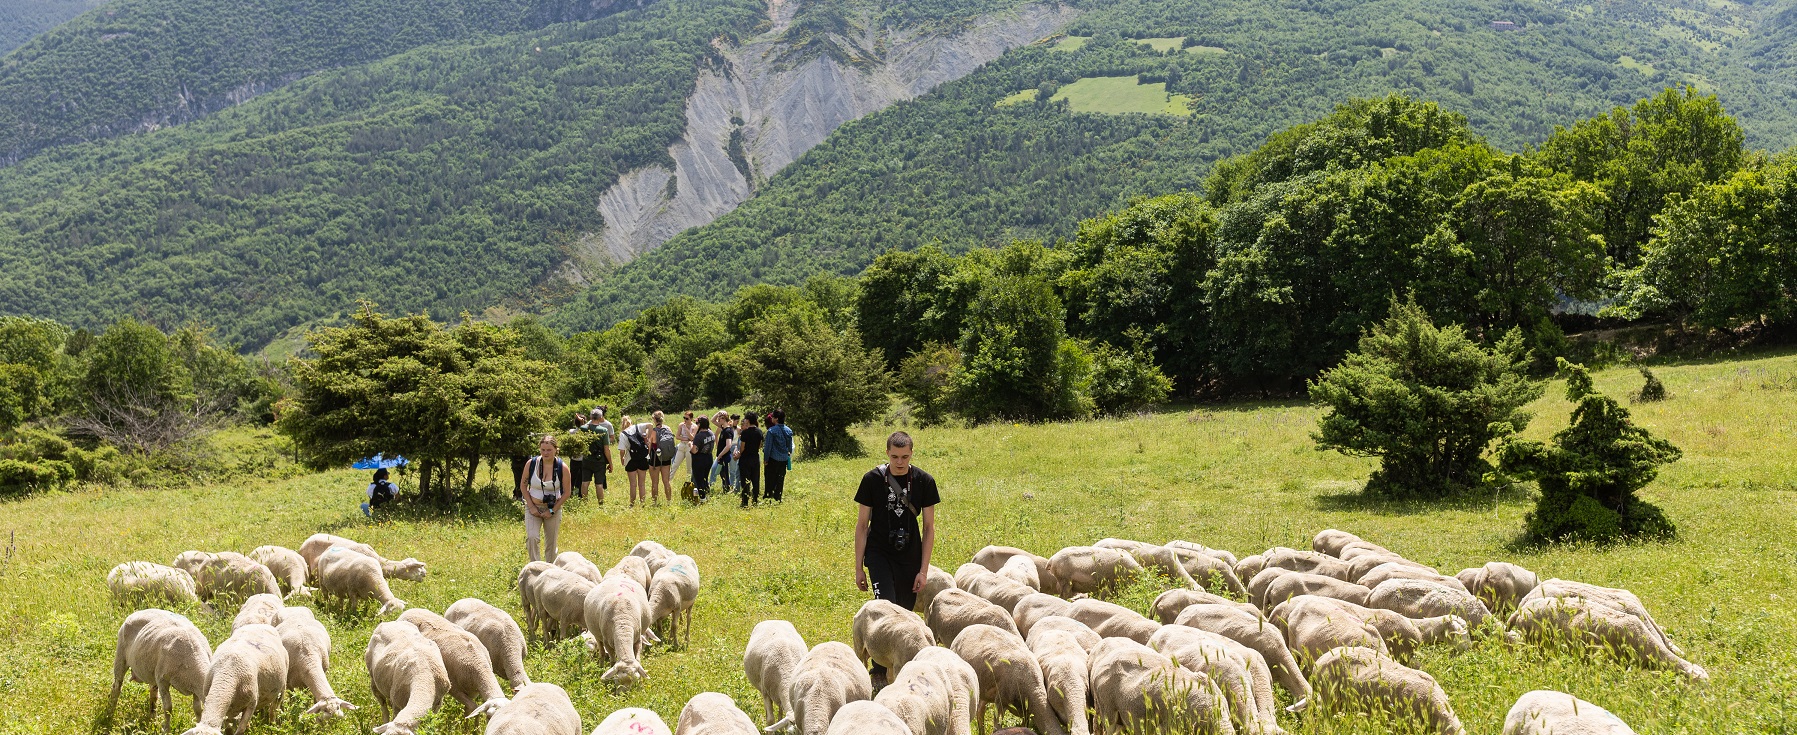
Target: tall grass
x=1242 y=477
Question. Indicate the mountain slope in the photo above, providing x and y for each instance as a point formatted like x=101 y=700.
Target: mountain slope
x=959 y=168
x=20 y=20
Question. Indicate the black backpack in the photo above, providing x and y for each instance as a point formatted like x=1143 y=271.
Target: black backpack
x=384 y=491
x=639 y=444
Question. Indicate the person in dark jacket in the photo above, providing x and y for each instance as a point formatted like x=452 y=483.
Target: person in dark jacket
x=748 y=459
x=778 y=453
x=703 y=440
x=896 y=531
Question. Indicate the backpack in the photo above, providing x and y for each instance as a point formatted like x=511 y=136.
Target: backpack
x=384 y=491
x=639 y=444
x=664 y=443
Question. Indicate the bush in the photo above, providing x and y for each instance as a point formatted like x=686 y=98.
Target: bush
x=18 y=476
x=925 y=379
x=1126 y=380
x=823 y=378
x=1591 y=471
x=1426 y=401
x=1016 y=362
x=1652 y=389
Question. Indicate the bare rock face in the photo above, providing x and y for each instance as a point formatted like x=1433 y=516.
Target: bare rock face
x=777 y=106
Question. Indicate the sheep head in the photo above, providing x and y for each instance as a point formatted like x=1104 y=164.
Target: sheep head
x=330 y=709
x=624 y=674
x=408 y=569
x=489 y=708
x=392 y=606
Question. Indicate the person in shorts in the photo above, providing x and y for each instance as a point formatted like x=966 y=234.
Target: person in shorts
x=896 y=531
x=607 y=436
x=633 y=444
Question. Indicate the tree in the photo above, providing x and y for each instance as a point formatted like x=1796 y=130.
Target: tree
x=926 y=379
x=32 y=371
x=1014 y=362
x=1125 y=379
x=1591 y=471
x=822 y=377
x=408 y=386
x=1426 y=401
x=901 y=305
x=136 y=393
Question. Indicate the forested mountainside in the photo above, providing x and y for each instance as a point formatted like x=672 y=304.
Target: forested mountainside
x=984 y=159
x=22 y=19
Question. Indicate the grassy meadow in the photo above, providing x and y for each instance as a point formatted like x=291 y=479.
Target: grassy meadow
x=1242 y=477
x=1122 y=95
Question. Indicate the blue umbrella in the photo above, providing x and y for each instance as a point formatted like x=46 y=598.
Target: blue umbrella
x=379 y=462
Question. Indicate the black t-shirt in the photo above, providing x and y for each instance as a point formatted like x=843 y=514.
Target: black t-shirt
x=889 y=512
x=702 y=442
x=751 y=439
x=724 y=437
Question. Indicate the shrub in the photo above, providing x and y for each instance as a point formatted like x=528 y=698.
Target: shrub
x=822 y=377
x=18 y=476
x=1017 y=363
x=1652 y=389
x=1590 y=472
x=925 y=379
x=1126 y=380
x=1426 y=401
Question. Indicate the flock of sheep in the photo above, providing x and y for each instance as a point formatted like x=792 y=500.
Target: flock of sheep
x=1335 y=626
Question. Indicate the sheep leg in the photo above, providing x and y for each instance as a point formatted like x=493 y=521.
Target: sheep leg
x=1041 y=715
x=118 y=678
x=168 y=708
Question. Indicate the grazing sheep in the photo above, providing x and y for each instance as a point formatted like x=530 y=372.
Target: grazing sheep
x=352 y=578
x=1082 y=633
x=672 y=592
x=1420 y=598
x=866 y=718
x=996 y=589
x=633 y=567
x=139 y=582
x=1330 y=541
x=616 y=613
x=1362 y=565
x=653 y=554
x=558 y=602
x=308 y=647
x=936 y=694
x=1308 y=562
x=955 y=609
x=711 y=713
x=1611 y=597
x=828 y=677
x=166 y=651
x=1035 y=607
x=538 y=709
x=1150 y=556
x=1171 y=603
x=933 y=585
x=470 y=669
x=1061 y=655
x=407 y=675
x=289 y=568
x=498 y=633
x=1110 y=620
x=263 y=609
x=1253 y=631
x=1546 y=712
x=1139 y=689
x=1355 y=549
x=1239 y=673
x=1022 y=570
x=770 y=661
x=1396 y=570
x=1500 y=585
x=248 y=675
x=1291 y=584
x=1583 y=623
x=889 y=635
x=1209 y=570
x=1221 y=555
x=1362 y=679
x=577 y=563
x=1316 y=625
x=526 y=585
x=1250 y=566
x=994 y=558
x=1010 y=677
x=632 y=721
x=1091 y=570
x=317 y=544
x=227 y=575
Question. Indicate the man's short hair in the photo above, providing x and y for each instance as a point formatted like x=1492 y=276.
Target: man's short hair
x=898 y=439
x=598 y=413
x=778 y=415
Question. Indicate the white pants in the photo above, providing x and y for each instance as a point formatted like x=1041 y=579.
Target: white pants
x=681 y=455
x=549 y=526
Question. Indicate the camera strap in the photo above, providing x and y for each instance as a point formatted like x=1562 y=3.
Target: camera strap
x=903 y=494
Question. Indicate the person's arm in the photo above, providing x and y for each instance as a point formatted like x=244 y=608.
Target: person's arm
x=929 y=545
x=567 y=483
x=861 y=522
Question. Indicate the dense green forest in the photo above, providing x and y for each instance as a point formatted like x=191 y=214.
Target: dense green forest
x=20 y=20
x=958 y=169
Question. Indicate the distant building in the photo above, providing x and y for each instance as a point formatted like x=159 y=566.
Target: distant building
x=1504 y=25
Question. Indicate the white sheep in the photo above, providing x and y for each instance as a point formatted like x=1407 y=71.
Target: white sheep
x=1250 y=566
x=828 y=677
x=934 y=583
x=558 y=601
x=308 y=647
x=956 y=609
x=1082 y=634
x=1398 y=570
x=866 y=718
x=1282 y=587
x=289 y=568
x=1150 y=556
x=1022 y=570
x=353 y=578
x=1110 y=620
x=994 y=588
x=577 y=563
x=770 y=661
x=888 y=635
x=1364 y=563
x=935 y=694
x=409 y=569
x=1586 y=624
x=538 y=709
x=1500 y=585
x=1222 y=555
x=406 y=673
x=1611 y=597
x=1138 y=689
x=140 y=582
x=632 y=721
x=227 y=575
x=672 y=592
x=617 y=616
x=248 y=675
x=711 y=713
x=1061 y=654
x=1035 y=607
x=166 y=651
x=633 y=567
x=498 y=632
x=264 y=609
x=1545 y=712
x=1168 y=605
x=1251 y=630
x=1210 y=568
x=1092 y=570
x=652 y=553
x=995 y=557
x=1314 y=625
x=465 y=659
x=1421 y=598
x=1330 y=541
x=1009 y=676
x=1240 y=674
x=1308 y=562
x=1363 y=680
x=525 y=584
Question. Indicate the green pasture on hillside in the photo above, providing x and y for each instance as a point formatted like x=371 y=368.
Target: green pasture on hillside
x=1122 y=95
x=1070 y=43
x=1162 y=45
x=1239 y=476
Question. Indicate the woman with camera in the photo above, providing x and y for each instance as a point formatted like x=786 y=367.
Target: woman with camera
x=545 y=486
x=896 y=531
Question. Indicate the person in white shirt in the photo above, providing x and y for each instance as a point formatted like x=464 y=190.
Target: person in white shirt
x=633 y=446
x=545 y=486
x=684 y=435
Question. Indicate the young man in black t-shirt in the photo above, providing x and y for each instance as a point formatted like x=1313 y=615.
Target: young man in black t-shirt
x=897 y=529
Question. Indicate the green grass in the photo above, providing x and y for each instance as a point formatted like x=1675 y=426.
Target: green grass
x=1021 y=98
x=1239 y=476
x=1206 y=50
x=1121 y=95
x=1070 y=44
x=1629 y=62
x=1162 y=45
